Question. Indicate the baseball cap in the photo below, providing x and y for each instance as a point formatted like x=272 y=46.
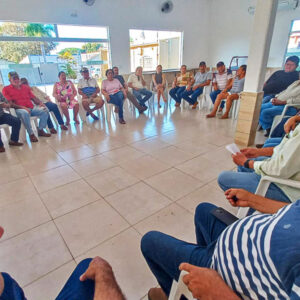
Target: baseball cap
x=12 y=74
x=84 y=70
x=220 y=64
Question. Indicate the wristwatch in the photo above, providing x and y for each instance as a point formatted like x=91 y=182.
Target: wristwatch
x=246 y=164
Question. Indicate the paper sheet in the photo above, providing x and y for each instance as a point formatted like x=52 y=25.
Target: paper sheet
x=233 y=148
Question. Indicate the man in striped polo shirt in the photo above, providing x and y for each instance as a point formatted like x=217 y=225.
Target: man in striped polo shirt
x=257 y=257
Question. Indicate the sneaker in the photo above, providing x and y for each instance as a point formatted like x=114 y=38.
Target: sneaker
x=195 y=105
x=53 y=131
x=12 y=143
x=43 y=133
x=2 y=149
x=33 y=138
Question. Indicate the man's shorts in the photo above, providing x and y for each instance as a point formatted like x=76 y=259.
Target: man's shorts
x=91 y=100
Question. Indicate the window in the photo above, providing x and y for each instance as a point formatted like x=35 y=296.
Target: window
x=39 y=51
x=294 y=41
x=149 y=48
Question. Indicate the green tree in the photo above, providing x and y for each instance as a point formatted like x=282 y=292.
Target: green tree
x=71 y=50
x=68 y=68
x=16 y=51
x=91 y=47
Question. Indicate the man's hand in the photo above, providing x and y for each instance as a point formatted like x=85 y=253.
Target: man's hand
x=85 y=96
x=250 y=152
x=98 y=269
x=206 y=284
x=195 y=87
x=94 y=95
x=27 y=109
x=243 y=197
x=4 y=105
x=107 y=97
x=291 y=123
x=277 y=102
x=188 y=88
x=239 y=158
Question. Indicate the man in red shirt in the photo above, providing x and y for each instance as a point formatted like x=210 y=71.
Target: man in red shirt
x=20 y=97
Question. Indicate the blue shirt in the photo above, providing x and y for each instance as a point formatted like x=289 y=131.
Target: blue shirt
x=259 y=256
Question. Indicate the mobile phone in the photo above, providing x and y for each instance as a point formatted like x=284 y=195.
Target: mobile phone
x=224 y=216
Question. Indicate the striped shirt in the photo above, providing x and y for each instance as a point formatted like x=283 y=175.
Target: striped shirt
x=222 y=79
x=259 y=256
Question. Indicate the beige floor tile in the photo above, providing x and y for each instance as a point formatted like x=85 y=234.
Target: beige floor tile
x=196 y=147
x=123 y=154
x=137 y=202
x=209 y=193
x=111 y=181
x=92 y=165
x=20 y=216
x=33 y=254
x=69 y=197
x=132 y=273
x=174 y=183
x=173 y=137
x=144 y=167
x=9 y=158
x=54 y=178
x=172 y=155
x=17 y=190
x=106 y=144
x=150 y=145
x=90 y=225
x=49 y=286
x=172 y=220
x=76 y=154
x=11 y=172
x=202 y=168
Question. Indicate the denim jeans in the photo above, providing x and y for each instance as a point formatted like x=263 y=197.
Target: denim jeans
x=267 y=98
x=191 y=96
x=176 y=93
x=117 y=99
x=164 y=253
x=278 y=131
x=249 y=182
x=272 y=142
x=139 y=95
x=269 y=111
x=54 y=108
x=15 y=124
x=213 y=95
x=40 y=112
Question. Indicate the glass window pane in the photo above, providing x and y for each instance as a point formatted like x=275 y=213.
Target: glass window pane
x=294 y=41
x=87 y=32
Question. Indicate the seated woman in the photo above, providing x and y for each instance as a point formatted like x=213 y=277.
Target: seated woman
x=64 y=92
x=114 y=92
x=49 y=104
x=180 y=83
x=242 y=259
x=275 y=107
x=231 y=95
x=159 y=81
x=137 y=83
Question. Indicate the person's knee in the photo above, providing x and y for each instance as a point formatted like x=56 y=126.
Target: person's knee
x=64 y=105
x=148 y=242
x=224 y=179
x=202 y=211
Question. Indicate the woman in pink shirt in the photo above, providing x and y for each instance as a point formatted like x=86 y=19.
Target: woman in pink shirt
x=114 y=92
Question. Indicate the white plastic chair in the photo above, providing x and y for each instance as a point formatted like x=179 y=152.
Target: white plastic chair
x=205 y=97
x=6 y=130
x=180 y=289
x=279 y=118
x=262 y=189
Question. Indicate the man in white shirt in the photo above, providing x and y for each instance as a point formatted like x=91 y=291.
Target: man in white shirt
x=89 y=90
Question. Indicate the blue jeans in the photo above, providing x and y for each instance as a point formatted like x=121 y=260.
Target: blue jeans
x=249 y=182
x=117 y=99
x=15 y=124
x=269 y=111
x=278 y=131
x=54 y=108
x=272 y=142
x=267 y=98
x=191 y=96
x=176 y=93
x=42 y=113
x=139 y=95
x=74 y=289
x=164 y=253
x=213 y=95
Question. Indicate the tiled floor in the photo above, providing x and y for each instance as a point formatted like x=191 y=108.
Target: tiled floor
x=95 y=189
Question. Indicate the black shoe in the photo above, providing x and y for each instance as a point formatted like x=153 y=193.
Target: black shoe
x=259 y=128
x=267 y=132
x=87 y=113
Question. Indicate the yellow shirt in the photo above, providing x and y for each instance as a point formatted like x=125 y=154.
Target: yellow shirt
x=183 y=80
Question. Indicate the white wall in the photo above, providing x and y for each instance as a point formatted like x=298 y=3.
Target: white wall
x=188 y=16
x=231 y=27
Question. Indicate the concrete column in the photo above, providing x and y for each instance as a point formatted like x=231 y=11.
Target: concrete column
x=264 y=19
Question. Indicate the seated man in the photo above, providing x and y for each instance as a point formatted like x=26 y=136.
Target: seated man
x=221 y=82
x=281 y=79
x=284 y=163
x=275 y=107
x=130 y=96
x=49 y=104
x=15 y=123
x=89 y=90
x=20 y=97
x=91 y=280
x=235 y=89
x=234 y=263
x=180 y=83
x=202 y=79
